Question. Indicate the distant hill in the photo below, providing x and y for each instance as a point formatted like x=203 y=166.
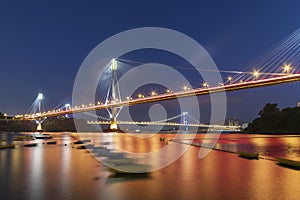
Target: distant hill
x=272 y=120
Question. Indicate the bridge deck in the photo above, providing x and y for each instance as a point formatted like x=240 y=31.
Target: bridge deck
x=199 y=91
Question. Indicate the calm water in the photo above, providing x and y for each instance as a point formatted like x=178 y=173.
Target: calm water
x=61 y=171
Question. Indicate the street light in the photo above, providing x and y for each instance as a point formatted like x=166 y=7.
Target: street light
x=229 y=79
x=287 y=68
x=153 y=93
x=256 y=73
x=205 y=84
x=169 y=91
x=185 y=88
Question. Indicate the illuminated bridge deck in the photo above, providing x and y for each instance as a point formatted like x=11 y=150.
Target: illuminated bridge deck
x=168 y=96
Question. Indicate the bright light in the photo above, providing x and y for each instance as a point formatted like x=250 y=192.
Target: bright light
x=229 y=78
x=140 y=96
x=205 y=84
x=40 y=96
x=287 y=68
x=168 y=90
x=153 y=93
x=256 y=73
x=67 y=105
x=114 y=65
x=185 y=88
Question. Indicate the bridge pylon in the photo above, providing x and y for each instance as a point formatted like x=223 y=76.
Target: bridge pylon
x=184 y=120
x=39 y=120
x=115 y=96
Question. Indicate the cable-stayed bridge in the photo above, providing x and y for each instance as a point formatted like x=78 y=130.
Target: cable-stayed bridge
x=279 y=65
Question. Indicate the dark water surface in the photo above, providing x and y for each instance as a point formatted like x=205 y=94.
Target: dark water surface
x=61 y=171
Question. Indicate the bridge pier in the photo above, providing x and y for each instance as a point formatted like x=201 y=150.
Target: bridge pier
x=39 y=126
x=113 y=119
x=39 y=122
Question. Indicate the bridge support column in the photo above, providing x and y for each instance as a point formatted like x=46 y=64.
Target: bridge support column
x=39 y=122
x=113 y=119
x=39 y=126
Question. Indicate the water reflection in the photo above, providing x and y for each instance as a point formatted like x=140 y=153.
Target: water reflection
x=267 y=146
x=35 y=169
x=64 y=172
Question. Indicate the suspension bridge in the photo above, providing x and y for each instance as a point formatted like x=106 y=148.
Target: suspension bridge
x=279 y=65
x=184 y=123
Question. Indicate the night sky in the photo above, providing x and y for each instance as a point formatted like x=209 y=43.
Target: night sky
x=43 y=43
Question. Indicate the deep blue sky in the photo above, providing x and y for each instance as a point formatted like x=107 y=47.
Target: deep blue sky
x=43 y=43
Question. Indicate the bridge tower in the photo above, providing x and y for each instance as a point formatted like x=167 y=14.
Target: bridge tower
x=115 y=96
x=184 y=120
x=39 y=120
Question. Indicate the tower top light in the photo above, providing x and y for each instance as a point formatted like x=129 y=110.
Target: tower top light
x=114 y=65
x=40 y=96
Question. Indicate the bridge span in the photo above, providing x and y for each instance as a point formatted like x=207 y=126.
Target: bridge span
x=168 y=96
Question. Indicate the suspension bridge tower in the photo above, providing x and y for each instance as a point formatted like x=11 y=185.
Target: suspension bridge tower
x=184 y=121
